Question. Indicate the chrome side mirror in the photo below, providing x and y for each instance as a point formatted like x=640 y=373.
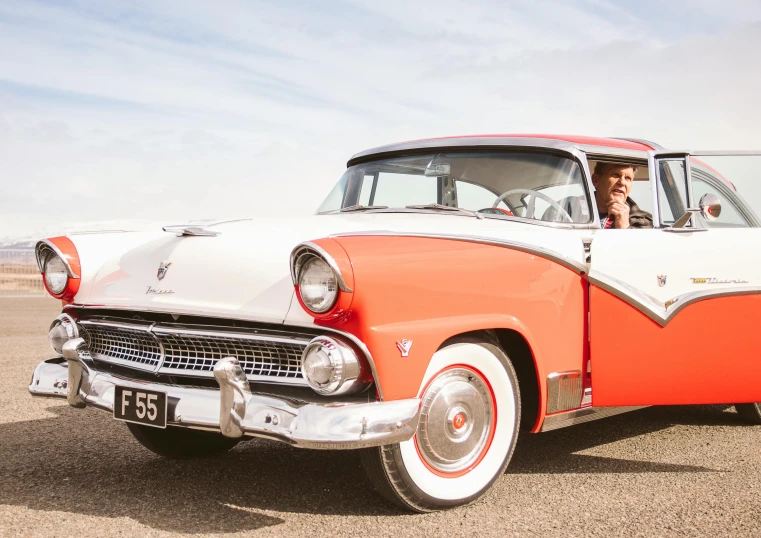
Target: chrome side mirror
x=710 y=206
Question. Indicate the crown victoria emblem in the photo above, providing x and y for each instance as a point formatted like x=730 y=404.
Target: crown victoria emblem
x=163 y=268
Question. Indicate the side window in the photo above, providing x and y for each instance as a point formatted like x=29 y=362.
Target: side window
x=730 y=216
x=672 y=189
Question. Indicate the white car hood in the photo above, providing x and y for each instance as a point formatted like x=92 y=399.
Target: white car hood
x=244 y=272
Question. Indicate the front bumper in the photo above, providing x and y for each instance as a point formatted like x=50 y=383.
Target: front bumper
x=232 y=409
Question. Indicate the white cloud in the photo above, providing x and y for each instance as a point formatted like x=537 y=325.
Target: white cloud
x=174 y=110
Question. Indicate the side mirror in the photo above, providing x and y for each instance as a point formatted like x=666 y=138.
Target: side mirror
x=710 y=206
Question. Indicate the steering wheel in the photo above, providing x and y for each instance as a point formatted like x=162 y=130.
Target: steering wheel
x=532 y=196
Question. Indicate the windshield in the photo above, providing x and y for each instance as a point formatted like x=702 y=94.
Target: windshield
x=537 y=186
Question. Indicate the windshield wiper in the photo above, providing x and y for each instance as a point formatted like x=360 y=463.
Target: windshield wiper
x=359 y=207
x=442 y=207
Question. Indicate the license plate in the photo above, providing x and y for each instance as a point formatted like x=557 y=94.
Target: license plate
x=140 y=406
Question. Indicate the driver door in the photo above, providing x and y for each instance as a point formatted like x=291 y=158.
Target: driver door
x=675 y=312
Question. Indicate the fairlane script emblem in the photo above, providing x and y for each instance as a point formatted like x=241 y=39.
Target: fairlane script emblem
x=163 y=268
x=404 y=346
x=661 y=280
x=150 y=290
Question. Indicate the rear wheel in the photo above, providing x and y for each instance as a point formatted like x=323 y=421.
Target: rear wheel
x=750 y=412
x=180 y=443
x=469 y=415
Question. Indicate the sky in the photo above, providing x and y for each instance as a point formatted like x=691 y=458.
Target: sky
x=134 y=114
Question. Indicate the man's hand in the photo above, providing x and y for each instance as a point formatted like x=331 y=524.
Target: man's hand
x=619 y=212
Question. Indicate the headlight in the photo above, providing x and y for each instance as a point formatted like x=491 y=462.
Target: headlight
x=56 y=276
x=318 y=285
x=63 y=329
x=330 y=366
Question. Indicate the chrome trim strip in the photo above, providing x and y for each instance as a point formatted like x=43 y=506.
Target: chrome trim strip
x=653 y=179
x=304 y=248
x=38 y=254
x=579 y=416
x=551 y=255
x=158 y=329
x=659 y=312
x=329 y=425
x=564 y=391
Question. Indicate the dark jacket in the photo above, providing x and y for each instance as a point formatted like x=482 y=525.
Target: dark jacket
x=637 y=217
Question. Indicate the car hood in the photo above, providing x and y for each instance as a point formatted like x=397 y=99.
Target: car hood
x=244 y=271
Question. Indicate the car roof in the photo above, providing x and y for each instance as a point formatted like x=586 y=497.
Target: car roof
x=625 y=147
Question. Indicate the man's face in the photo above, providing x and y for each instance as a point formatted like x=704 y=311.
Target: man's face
x=613 y=184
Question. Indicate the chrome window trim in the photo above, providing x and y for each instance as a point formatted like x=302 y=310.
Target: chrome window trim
x=569 y=263
x=658 y=311
x=39 y=251
x=303 y=249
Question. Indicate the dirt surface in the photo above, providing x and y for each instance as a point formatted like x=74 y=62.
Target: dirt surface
x=669 y=471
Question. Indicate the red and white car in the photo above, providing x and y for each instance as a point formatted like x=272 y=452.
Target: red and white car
x=442 y=299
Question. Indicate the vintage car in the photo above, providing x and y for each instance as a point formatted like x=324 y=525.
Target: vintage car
x=447 y=294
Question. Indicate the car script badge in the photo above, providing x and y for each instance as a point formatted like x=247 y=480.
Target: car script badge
x=163 y=268
x=661 y=280
x=404 y=346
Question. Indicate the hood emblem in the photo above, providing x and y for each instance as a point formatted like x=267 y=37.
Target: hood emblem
x=404 y=346
x=163 y=268
x=662 y=280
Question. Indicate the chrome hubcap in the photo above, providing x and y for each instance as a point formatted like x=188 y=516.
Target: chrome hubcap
x=455 y=420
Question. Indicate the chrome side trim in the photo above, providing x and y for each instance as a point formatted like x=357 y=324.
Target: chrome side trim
x=564 y=391
x=330 y=425
x=659 y=312
x=579 y=416
x=565 y=261
x=40 y=250
x=308 y=248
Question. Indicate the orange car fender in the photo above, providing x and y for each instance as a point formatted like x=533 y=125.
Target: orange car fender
x=426 y=290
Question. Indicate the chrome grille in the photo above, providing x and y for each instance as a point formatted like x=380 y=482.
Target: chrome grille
x=192 y=352
x=131 y=345
x=256 y=357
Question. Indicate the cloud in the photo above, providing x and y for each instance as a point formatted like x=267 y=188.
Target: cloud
x=176 y=110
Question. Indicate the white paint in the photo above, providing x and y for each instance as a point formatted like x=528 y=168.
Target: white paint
x=244 y=272
x=636 y=258
x=478 y=478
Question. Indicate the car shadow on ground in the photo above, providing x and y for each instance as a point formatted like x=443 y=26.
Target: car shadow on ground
x=84 y=462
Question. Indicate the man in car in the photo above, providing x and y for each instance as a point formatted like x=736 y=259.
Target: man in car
x=612 y=183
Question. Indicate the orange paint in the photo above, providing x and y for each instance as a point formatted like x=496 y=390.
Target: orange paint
x=70 y=254
x=709 y=353
x=427 y=290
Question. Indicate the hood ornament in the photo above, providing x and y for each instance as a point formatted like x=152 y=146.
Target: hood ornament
x=163 y=268
x=404 y=346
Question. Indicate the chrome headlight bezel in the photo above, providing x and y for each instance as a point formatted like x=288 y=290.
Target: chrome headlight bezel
x=346 y=374
x=65 y=328
x=303 y=260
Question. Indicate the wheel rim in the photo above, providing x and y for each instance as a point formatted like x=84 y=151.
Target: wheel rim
x=456 y=421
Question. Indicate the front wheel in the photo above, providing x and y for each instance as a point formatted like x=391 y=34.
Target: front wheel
x=749 y=412
x=181 y=443
x=469 y=416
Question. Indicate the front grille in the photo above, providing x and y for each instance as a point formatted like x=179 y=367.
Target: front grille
x=258 y=358
x=195 y=353
x=123 y=344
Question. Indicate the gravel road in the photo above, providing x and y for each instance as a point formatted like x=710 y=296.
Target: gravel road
x=668 y=471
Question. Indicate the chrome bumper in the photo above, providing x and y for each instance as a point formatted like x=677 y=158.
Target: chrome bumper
x=232 y=409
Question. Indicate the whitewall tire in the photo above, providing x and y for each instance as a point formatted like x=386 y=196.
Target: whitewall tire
x=470 y=411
